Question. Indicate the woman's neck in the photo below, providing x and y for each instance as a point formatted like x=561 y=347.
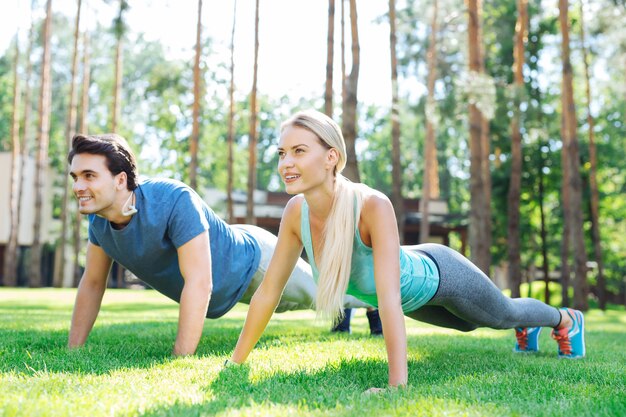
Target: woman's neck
x=320 y=202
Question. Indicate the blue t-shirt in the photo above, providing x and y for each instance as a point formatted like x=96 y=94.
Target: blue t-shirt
x=419 y=276
x=169 y=214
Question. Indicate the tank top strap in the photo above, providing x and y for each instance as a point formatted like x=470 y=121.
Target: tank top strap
x=305 y=234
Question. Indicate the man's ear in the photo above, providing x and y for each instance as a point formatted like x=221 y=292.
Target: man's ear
x=121 y=181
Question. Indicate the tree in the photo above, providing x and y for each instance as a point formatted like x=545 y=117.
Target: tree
x=593 y=169
x=350 y=101
x=119 y=28
x=480 y=217
x=328 y=94
x=252 y=139
x=36 y=278
x=396 y=169
x=70 y=129
x=343 y=52
x=26 y=133
x=574 y=183
x=9 y=272
x=83 y=127
x=195 y=124
x=430 y=182
x=515 y=184
x=231 y=121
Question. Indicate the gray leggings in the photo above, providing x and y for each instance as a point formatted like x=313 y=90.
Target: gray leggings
x=467 y=299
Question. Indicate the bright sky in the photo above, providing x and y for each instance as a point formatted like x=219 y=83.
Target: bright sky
x=292 y=52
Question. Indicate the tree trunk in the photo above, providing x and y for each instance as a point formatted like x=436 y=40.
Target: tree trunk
x=593 y=176
x=343 y=54
x=36 y=278
x=485 y=146
x=117 y=88
x=430 y=184
x=350 y=102
x=27 y=126
x=195 y=129
x=544 y=245
x=396 y=166
x=252 y=179
x=59 y=280
x=581 y=287
x=231 y=122
x=515 y=185
x=9 y=272
x=330 y=50
x=565 y=207
x=84 y=110
x=117 y=98
x=479 y=215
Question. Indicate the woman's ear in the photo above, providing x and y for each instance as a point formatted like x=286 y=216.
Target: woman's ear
x=332 y=158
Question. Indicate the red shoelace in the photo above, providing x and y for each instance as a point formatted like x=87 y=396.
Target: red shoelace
x=522 y=338
x=565 y=345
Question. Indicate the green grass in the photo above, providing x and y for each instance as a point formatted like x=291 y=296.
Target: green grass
x=299 y=368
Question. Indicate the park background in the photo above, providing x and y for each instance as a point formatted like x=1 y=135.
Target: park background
x=496 y=127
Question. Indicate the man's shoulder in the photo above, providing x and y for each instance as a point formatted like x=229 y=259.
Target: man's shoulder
x=164 y=190
x=162 y=184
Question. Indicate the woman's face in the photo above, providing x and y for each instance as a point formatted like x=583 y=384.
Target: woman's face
x=304 y=163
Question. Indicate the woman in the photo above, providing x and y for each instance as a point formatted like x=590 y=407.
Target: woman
x=349 y=232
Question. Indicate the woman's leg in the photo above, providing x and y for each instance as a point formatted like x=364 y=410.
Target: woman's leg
x=467 y=298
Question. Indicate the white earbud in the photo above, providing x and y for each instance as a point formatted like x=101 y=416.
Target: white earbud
x=131 y=208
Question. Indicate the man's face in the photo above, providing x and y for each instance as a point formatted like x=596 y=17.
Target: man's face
x=95 y=187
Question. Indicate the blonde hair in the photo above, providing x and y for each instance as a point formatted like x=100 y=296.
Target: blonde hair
x=339 y=230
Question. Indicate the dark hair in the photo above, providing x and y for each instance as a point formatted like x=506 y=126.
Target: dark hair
x=119 y=156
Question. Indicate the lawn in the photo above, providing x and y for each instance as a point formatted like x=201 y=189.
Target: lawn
x=298 y=369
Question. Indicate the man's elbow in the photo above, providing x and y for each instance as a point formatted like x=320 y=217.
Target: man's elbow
x=204 y=285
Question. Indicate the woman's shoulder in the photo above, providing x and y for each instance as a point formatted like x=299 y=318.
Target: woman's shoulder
x=374 y=201
x=295 y=202
x=293 y=208
x=290 y=219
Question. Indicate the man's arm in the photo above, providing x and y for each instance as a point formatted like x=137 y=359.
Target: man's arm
x=194 y=258
x=89 y=296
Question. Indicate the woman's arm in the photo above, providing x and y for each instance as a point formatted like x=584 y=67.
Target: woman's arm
x=266 y=298
x=379 y=220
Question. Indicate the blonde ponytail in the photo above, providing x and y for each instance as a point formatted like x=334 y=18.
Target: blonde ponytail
x=335 y=262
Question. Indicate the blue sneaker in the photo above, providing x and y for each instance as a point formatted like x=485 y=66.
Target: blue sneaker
x=527 y=339
x=571 y=341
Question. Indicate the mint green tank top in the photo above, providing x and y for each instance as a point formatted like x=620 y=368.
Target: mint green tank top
x=419 y=276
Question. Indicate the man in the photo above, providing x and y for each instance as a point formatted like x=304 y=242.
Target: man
x=164 y=233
